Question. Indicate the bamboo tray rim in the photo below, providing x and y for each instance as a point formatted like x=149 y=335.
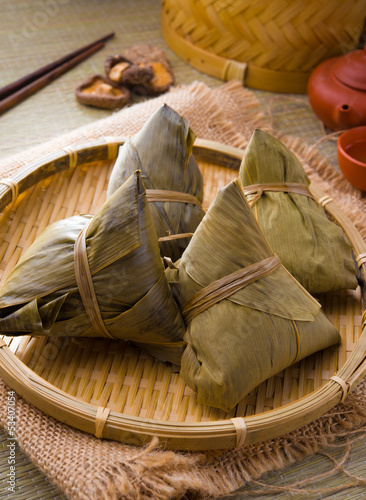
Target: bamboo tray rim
x=228 y=433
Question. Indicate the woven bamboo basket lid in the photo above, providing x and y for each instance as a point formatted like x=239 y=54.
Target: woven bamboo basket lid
x=113 y=390
x=267 y=45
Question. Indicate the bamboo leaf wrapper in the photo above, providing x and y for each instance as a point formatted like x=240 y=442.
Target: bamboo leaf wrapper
x=246 y=337
x=312 y=247
x=41 y=295
x=162 y=150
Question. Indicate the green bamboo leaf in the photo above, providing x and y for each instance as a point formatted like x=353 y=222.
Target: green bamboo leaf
x=313 y=248
x=41 y=295
x=162 y=150
x=259 y=330
x=230 y=220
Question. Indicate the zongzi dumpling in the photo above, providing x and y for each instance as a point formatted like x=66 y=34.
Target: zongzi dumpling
x=97 y=276
x=162 y=150
x=312 y=247
x=247 y=317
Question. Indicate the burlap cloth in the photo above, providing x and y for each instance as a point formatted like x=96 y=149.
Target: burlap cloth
x=84 y=467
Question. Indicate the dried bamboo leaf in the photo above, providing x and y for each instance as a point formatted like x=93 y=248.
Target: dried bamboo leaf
x=162 y=151
x=247 y=246
x=248 y=336
x=312 y=247
x=41 y=295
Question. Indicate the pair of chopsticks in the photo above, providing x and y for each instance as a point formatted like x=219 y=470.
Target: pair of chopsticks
x=16 y=92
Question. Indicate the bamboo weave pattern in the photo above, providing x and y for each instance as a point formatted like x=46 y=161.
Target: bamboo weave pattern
x=114 y=375
x=290 y=36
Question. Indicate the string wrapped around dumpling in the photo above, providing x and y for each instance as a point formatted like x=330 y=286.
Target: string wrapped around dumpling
x=312 y=247
x=162 y=150
x=247 y=317
x=97 y=276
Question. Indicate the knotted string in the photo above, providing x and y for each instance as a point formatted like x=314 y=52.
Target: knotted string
x=285 y=187
x=174 y=196
x=85 y=284
x=228 y=285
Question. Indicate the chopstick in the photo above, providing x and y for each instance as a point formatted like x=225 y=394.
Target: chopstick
x=19 y=90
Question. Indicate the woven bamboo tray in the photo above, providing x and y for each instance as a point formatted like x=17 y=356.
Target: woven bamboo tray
x=268 y=44
x=114 y=390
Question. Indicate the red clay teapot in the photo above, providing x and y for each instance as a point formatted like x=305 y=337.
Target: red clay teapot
x=337 y=90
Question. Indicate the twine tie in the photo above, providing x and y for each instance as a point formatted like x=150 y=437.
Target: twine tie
x=345 y=386
x=100 y=420
x=85 y=284
x=13 y=186
x=241 y=431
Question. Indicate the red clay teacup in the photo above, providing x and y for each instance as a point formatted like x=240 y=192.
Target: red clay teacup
x=351 y=147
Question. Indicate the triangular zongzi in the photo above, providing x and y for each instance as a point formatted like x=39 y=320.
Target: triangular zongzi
x=247 y=317
x=162 y=150
x=312 y=247
x=97 y=276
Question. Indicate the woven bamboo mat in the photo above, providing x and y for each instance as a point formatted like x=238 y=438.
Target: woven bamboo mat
x=35 y=33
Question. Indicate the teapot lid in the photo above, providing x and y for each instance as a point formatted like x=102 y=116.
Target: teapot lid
x=351 y=69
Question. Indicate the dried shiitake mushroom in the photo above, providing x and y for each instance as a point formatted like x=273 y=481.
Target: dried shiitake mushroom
x=124 y=72
x=162 y=80
x=143 y=70
x=157 y=59
x=146 y=54
x=98 y=91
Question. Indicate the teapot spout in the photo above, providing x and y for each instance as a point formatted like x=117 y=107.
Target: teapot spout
x=346 y=117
